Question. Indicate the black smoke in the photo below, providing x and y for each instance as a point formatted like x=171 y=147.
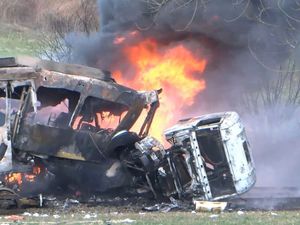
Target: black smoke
x=246 y=42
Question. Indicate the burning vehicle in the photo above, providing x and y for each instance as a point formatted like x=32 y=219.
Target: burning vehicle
x=75 y=123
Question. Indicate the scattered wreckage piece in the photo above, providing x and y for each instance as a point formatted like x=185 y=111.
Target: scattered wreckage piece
x=11 y=200
x=8 y=199
x=75 y=123
x=207 y=206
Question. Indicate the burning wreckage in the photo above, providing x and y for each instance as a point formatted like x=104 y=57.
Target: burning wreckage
x=74 y=122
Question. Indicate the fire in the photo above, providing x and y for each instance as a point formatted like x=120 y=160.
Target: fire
x=119 y=40
x=18 y=178
x=14 y=178
x=175 y=69
x=106 y=120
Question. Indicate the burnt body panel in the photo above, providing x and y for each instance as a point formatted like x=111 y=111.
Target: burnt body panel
x=58 y=120
x=106 y=175
x=88 y=91
x=64 y=143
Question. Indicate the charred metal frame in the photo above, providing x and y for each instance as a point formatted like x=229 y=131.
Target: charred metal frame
x=88 y=82
x=25 y=135
x=114 y=158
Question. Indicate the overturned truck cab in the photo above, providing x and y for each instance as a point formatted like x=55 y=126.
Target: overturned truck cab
x=76 y=123
x=217 y=155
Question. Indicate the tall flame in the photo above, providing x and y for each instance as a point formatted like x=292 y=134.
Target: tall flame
x=175 y=69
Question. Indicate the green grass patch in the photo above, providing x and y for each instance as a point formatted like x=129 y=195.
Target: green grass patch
x=172 y=218
x=17 y=41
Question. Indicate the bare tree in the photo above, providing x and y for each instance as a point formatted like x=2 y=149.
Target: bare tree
x=277 y=98
x=53 y=42
x=85 y=19
x=17 y=12
x=53 y=46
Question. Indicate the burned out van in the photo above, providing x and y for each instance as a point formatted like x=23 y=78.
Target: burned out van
x=75 y=122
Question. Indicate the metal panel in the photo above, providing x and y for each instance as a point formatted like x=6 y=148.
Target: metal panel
x=201 y=173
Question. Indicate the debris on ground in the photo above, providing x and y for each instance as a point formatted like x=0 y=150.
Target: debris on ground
x=127 y=220
x=240 y=213
x=206 y=206
x=89 y=216
x=14 y=217
x=213 y=216
x=274 y=214
x=56 y=216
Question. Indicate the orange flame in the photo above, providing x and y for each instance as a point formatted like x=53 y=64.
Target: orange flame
x=174 y=69
x=18 y=178
x=105 y=118
x=120 y=39
x=14 y=178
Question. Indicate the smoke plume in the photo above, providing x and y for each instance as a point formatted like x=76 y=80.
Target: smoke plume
x=245 y=42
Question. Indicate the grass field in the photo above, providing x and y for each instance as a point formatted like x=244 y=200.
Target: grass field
x=17 y=41
x=171 y=218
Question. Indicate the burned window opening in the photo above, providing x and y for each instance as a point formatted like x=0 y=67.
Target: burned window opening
x=247 y=153
x=15 y=95
x=12 y=104
x=18 y=91
x=215 y=161
x=56 y=106
x=211 y=146
x=53 y=96
x=209 y=121
x=99 y=114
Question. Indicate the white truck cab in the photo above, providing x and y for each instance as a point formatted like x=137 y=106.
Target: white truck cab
x=217 y=154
